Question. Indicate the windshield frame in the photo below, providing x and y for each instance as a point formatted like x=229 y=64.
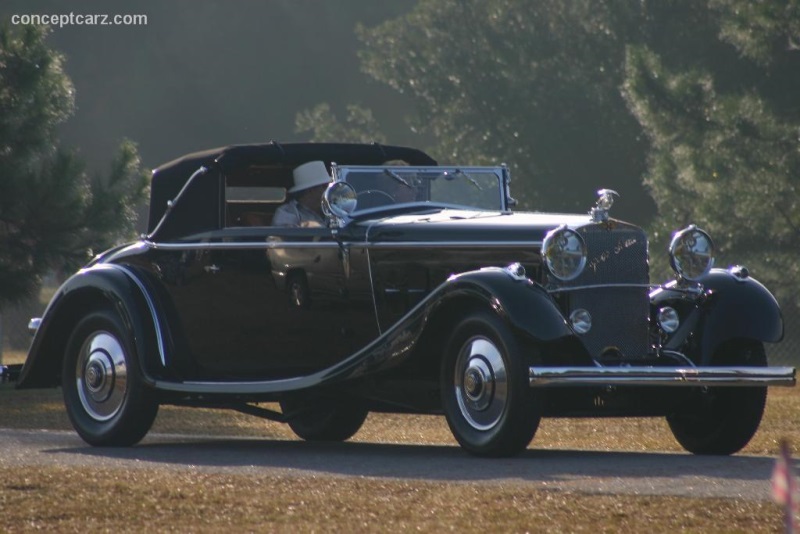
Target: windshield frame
x=340 y=174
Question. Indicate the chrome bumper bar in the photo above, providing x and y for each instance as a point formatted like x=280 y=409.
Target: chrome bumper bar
x=662 y=376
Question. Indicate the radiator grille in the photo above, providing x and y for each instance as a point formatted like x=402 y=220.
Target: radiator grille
x=616 y=254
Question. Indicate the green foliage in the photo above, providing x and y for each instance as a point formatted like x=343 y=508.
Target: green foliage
x=52 y=214
x=759 y=29
x=35 y=94
x=693 y=102
x=531 y=83
x=359 y=127
x=724 y=160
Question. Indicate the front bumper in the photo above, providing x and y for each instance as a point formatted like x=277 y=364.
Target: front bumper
x=662 y=376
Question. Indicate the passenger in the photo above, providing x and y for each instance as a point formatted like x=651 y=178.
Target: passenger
x=304 y=205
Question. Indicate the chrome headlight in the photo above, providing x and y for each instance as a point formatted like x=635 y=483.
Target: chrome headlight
x=564 y=253
x=691 y=253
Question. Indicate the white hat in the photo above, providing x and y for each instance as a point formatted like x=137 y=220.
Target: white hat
x=309 y=175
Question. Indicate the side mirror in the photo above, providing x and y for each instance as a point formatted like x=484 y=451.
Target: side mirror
x=339 y=201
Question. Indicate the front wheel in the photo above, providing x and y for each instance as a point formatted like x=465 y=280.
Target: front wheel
x=486 y=395
x=103 y=392
x=722 y=420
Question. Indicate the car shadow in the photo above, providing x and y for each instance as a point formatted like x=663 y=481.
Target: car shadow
x=426 y=462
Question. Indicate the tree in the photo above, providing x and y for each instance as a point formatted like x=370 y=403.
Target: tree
x=360 y=126
x=691 y=106
x=52 y=213
x=532 y=83
x=724 y=138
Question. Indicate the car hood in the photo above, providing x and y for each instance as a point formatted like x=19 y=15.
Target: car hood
x=461 y=225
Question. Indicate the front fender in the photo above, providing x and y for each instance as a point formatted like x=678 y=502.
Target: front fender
x=521 y=302
x=732 y=306
x=103 y=285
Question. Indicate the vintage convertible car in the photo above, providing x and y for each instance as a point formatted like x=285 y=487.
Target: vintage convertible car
x=425 y=293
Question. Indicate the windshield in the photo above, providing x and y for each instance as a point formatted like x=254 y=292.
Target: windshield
x=457 y=187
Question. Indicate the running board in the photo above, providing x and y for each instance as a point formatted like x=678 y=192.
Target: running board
x=662 y=376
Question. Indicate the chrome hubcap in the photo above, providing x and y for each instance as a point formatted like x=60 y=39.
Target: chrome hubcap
x=101 y=376
x=481 y=383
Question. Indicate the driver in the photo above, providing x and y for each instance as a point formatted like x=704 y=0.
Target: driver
x=304 y=205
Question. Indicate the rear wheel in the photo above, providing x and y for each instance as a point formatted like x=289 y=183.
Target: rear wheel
x=103 y=392
x=486 y=395
x=321 y=420
x=722 y=420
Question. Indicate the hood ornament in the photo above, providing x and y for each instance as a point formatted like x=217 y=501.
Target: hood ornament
x=605 y=199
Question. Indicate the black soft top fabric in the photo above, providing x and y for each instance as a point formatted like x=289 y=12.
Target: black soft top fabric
x=202 y=203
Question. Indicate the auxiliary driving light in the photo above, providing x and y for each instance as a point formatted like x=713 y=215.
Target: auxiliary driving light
x=581 y=321
x=668 y=319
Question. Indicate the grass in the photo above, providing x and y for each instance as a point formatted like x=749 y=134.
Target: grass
x=72 y=499
x=13 y=356
x=66 y=499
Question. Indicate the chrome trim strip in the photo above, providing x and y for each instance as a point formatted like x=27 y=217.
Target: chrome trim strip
x=452 y=244
x=150 y=305
x=244 y=245
x=267 y=245
x=600 y=286
x=662 y=376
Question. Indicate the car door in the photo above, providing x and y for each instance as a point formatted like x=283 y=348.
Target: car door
x=270 y=302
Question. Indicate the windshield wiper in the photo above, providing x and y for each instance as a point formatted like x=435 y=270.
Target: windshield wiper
x=459 y=172
x=397 y=177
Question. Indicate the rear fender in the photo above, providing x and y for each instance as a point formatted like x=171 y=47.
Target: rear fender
x=105 y=285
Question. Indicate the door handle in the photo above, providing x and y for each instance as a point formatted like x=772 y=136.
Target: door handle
x=212 y=269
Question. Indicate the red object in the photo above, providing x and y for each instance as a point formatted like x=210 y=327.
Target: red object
x=785 y=486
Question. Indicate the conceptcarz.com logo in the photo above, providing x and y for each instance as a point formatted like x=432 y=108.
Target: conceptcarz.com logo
x=79 y=19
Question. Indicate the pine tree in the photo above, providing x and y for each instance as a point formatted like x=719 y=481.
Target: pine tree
x=53 y=215
x=724 y=139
